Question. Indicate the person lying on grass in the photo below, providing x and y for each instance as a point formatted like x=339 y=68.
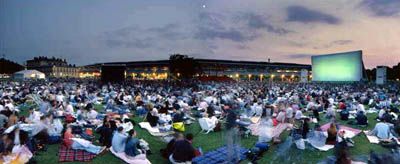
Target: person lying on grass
x=80 y=144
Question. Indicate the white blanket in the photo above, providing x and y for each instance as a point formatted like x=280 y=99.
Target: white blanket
x=374 y=139
x=153 y=130
x=139 y=159
x=321 y=148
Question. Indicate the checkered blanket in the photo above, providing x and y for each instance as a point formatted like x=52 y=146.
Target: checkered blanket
x=69 y=155
x=219 y=155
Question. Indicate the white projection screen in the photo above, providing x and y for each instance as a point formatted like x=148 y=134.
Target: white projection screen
x=338 y=67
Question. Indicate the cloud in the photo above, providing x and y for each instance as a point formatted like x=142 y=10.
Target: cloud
x=305 y=15
x=132 y=43
x=214 y=26
x=382 y=7
x=136 y=37
x=168 y=31
x=242 y=47
x=334 y=43
x=297 y=44
x=256 y=21
x=342 y=42
x=229 y=34
x=243 y=27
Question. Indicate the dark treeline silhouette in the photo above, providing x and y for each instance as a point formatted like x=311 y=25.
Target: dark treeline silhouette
x=9 y=67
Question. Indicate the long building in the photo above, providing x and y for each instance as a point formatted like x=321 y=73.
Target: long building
x=53 y=67
x=249 y=70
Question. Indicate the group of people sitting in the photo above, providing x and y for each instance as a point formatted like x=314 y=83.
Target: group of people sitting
x=67 y=112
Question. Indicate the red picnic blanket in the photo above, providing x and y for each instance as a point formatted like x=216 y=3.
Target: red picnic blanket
x=70 y=155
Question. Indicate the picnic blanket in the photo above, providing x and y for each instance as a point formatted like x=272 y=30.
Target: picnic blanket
x=320 y=148
x=153 y=130
x=219 y=155
x=70 y=155
x=276 y=130
x=374 y=139
x=139 y=159
x=349 y=132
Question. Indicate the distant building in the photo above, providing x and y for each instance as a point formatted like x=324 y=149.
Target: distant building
x=240 y=70
x=7 y=68
x=53 y=67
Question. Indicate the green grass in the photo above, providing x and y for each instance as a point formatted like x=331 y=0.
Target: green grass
x=214 y=140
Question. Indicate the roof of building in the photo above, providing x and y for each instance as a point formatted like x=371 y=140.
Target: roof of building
x=236 y=62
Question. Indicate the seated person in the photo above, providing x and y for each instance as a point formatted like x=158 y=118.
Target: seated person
x=80 y=144
x=396 y=128
x=69 y=109
x=34 y=116
x=127 y=125
x=106 y=133
x=183 y=151
x=332 y=134
x=298 y=115
x=211 y=121
x=387 y=117
x=344 y=114
x=152 y=116
x=132 y=148
x=381 y=130
x=170 y=146
x=3 y=120
x=305 y=128
x=119 y=140
x=361 y=118
x=330 y=112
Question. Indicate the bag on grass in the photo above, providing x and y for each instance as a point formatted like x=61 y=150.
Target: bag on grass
x=179 y=126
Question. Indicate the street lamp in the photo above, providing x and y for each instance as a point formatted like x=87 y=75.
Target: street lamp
x=249 y=76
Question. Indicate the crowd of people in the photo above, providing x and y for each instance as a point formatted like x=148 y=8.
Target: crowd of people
x=34 y=114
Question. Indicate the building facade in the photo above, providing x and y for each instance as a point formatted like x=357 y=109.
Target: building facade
x=238 y=70
x=53 y=67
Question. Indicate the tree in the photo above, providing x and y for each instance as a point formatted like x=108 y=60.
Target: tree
x=182 y=66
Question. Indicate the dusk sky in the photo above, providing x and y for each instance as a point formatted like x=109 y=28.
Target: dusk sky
x=92 y=31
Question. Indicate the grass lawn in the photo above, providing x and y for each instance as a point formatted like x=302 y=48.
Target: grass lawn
x=214 y=140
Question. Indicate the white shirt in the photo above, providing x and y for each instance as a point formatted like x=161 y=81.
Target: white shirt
x=289 y=112
x=298 y=115
x=69 y=109
x=360 y=107
x=92 y=114
x=10 y=106
x=34 y=116
x=60 y=98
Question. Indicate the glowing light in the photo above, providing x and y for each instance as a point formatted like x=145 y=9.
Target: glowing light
x=272 y=76
x=237 y=75
x=204 y=6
